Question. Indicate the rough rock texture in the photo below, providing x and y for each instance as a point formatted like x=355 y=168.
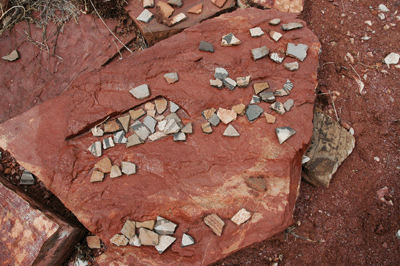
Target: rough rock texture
x=38 y=76
x=155 y=32
x=292 y=6
x=55 y=146
x=330 y=146
x=30 y=236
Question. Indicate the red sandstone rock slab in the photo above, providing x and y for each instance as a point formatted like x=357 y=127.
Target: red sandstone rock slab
x=155 y=32
x=291 y=6
x=40 y=75
x=182 y=182
x=29 y=236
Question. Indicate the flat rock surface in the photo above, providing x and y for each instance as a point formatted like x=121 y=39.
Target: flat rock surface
x=38 y=76
x=292 y=6
x=55 y=146
x=155 y=32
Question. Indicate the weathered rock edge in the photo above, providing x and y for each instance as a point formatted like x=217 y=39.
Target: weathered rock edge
x=182 y=182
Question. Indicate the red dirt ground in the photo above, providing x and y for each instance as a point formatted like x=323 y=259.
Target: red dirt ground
x=345 y=224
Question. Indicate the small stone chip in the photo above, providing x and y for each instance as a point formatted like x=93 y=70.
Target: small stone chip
x=108 y=143
x=180 y=136
x=291 y=26
x=288 y=105
x=95 y=149
x=298 y=51
x=173 y=107
x=173 y=116
x=270 y=118
x=133 y=140
x=230 y=131
x=283 y=133
x=27 y=178
x=135 y=241
x=275 y=35
x=145 y=16
x=217 y=83
x=241 y=216
x=119 y=240
x=239 y=109
x=256 y=32
x=278 y=108
x=259 y=53
x=229 y=83
x=243 y=81
x=267 y=96
x=141 y=130
x=136 y=114
x=276 y=58
x=165 y=242
x=104 y=165
x=11 y=56
x=197 y=9
x=97 y=132
x=128 y=168
x=164 y=11
x=175 y=19
x=259 y=87
x=146 y=224
x=161 y=105
x=171 y=77
x=292 y=66
x=255 y=99
x=288 y=85
x=226 y=115
x=148 y=3
x=140 y=92
x=215 y=223
x=148 y=238
x=188 y=128
x=150 y=123
x=221 y=73
x=257 y=183
x=281 y=92
x=275 y=21
x=97 y=176
x=208 y=113
x=93 y=242
x=112 y=126
x=206 y=47
x=219 y=3
x=164 y=226
x=128 y=229
x=171 y=127
x=214 y=120
x=392 y=59
x=149 y=106
x=177 y=3
x=187 y=240
x=206 y=127
x=115 y=171
x=124 y=121
x=253 y=112
x=230 y=40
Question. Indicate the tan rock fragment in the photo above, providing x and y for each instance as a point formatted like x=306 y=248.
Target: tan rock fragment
x=243 y=81
x=207 y=114
x=259 y=87
x=112 y=126
x=149 y=106
x=104 y=165
x=240 y=109
x=146 y=224
x=175 y=19
x=135 y=114
x=93 y=242
x=148 y=238
x=196 y=9
x=270 y=118
x=215 y=223
x=226 y=116
x=97 y=176
x=241 y=216
x=124 y=120
x=128 y=229
x=161 y=105
x=219 y=3
x=119 y=240
x=164 y=10
x=115 y=171
x=206 y=127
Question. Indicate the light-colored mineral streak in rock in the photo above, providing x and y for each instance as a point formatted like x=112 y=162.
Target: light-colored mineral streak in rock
x=95 y=149
x=241 y=216
x=145 y=16
x=256 y=32
x=187 y=240
x=283 y=133
x=148 y=238
x=215 y=223
x=115 y=171
x=164 y=226
x=119 y=240
x=230 y=131
x=128 y=229
x=128 y=168
x=298 y=51
x=164 y=243
x=140 y=92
